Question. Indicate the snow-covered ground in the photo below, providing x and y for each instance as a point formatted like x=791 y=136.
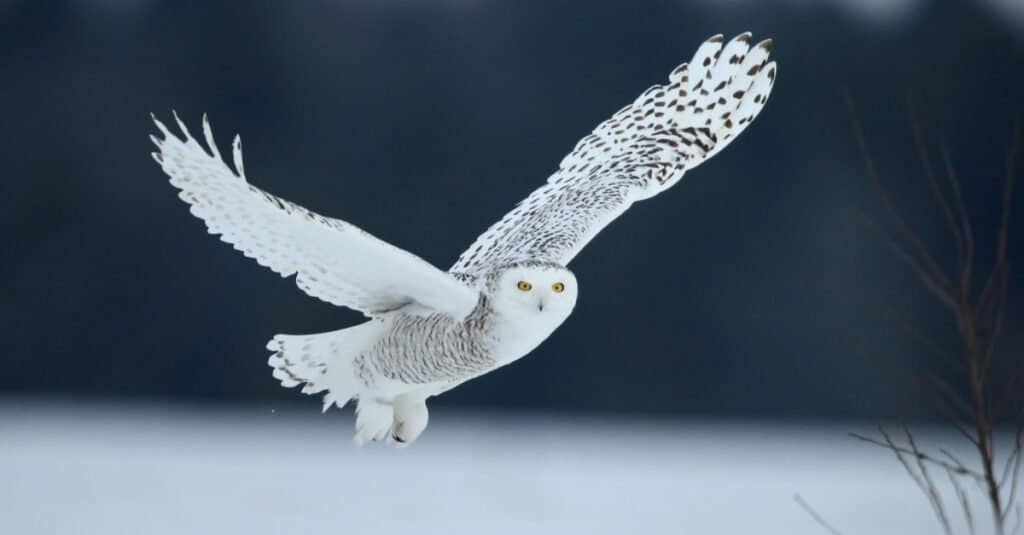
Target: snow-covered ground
x=145 y=470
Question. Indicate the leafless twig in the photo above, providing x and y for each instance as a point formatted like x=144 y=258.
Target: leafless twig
x=814 y=514
x=978 y=316
x=888 y=444
x=965 y=502
x=923 y=263
x=928 y=487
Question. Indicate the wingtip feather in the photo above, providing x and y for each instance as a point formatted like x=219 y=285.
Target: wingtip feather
x=160 y=125
x=208 y=134
x=236 y=154
x=181 y=126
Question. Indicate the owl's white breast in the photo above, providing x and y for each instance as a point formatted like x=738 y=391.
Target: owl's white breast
x=519 y=332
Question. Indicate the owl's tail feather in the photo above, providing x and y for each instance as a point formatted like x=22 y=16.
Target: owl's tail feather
x=319 y=362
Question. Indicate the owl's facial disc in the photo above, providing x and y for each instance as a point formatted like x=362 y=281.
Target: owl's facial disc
x=537 y=290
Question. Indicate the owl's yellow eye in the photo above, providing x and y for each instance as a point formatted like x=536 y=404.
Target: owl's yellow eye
x=524 y=286
x=558 y=287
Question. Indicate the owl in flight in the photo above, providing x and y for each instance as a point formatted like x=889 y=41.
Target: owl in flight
x=430 y=330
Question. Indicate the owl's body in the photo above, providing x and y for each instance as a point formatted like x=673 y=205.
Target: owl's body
x=431 y=330
x=394 y=362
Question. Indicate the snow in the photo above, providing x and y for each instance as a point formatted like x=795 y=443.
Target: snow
x=72 y=468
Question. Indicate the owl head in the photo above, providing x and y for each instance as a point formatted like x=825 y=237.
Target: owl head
x=534 y=289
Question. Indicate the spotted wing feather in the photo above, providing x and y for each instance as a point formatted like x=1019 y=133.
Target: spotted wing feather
x=640 y=151
x=332 y=260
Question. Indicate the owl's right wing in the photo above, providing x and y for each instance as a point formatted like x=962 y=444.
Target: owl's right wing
x=332 y=260
x=639 y=152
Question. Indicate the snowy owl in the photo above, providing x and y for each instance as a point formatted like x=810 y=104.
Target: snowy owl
x=430 y=330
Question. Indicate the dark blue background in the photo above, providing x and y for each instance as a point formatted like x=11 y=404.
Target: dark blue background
x=745 y=291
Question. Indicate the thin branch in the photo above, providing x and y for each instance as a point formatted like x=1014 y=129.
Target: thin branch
x=965 y=503
x=953 y=458
x=979 y=320
x=939 y=289
x=929 y=263
x=814 y=514
x=947 y=400
x=1018 y=448
x=916 y=332
x=1015 y=458
x=929 y=173
x=1010 y=167
x=953 y=400
x=1010 y=172
x=1011 y=383
x=899 y=452
x=982 y=418
x=998 y=316
x=957 y=469
x=964 y=218
x=982 y=421
x=930 y=489
x=987 y=300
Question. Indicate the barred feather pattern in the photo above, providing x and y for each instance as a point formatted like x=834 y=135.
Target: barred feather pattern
x=642 y=150
x=429 y=349
x=425 y=349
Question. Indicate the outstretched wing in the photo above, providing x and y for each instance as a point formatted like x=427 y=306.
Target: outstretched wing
x=641 y=151
x=333 y=260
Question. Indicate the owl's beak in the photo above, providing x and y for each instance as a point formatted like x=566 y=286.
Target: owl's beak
x=540 y=306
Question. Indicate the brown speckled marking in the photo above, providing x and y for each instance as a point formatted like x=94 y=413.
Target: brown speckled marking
x=625 y=158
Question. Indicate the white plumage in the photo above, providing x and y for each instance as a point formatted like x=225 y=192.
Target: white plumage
x=430 y=330
x=333 y=260
x=639 y=152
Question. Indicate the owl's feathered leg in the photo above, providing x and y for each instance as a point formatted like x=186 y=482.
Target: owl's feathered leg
x=410 y=418
x=373 y=420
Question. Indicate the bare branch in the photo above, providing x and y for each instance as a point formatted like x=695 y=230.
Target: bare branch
x=939 y=289
x=899 y=452
x=955 y=460
x=947 y=399
x=979 y=320
x=930 y=489
x=1014 y=479
x=814 y=514
x=965 y=503
x=998 y=316
x=1010 y=173
x=1011 y=384
x=967 y=263
x=933 y=183
x=955 y=468
x=917 y=333
x=953 y=399
x=925 y=258
x=1010 y=168
x=1008 y=466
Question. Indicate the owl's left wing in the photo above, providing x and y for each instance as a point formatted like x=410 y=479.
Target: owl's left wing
x=639 y=152
x=331 y=259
